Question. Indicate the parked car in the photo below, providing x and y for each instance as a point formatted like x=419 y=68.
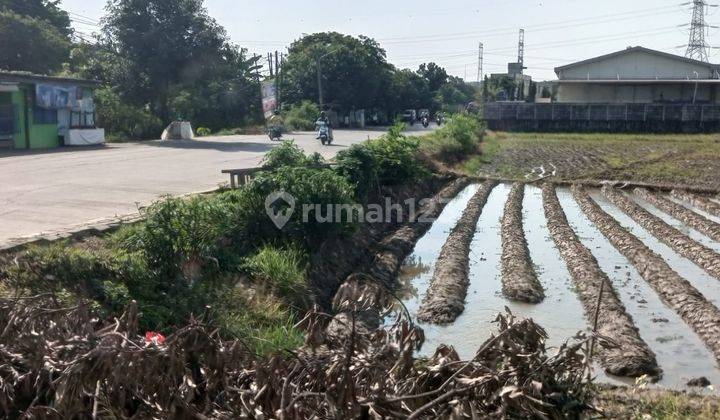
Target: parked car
x=409 y=116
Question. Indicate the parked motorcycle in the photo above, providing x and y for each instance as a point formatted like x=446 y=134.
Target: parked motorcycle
x=275 y=133
x=323 y=132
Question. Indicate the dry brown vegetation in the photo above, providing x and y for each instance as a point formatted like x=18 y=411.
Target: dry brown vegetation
x=61 y=362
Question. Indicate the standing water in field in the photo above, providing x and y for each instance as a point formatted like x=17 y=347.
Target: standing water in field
x=677 y=224
x=560 y=314
x=416 y=273
x=701 y=280
x=679 y=351
x=696 y=209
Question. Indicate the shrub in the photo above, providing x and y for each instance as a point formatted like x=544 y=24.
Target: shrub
x=359 y=166
x=203 y=132
x=396 y=157
x=302 y=116
x=179 y=237
x=464 y=130
x=282 y=270
x=308 y=186
x=123 y=120
x=286 y=154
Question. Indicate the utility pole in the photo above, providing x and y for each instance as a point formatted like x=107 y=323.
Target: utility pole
x=277 y=80
x=319 y=78
x=697 y=48
x=480 y=63
x=270 y=63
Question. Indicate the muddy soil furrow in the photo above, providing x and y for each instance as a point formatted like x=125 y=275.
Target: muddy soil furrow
x=702 y=316
x=631 y=357
x=388 y=260
x=682 y=213
x=704 y=257
x=520 y=282
x=703 y=203
x=445 y=299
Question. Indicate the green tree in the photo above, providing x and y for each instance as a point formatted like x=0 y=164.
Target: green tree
x=44 y=10
x=30 y=44
x=455 y=92
x=354 y=70
x=171 y=50
x=407 y=89
x=435 y=75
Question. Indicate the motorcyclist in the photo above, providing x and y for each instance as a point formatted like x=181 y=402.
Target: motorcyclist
x=275 y=120
x=324 y=119
x=275 y=125
x=439 y=117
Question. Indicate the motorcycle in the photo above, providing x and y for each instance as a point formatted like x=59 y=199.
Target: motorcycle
x=425 y=121
x=323 y=132
x=274 y=132
x=440 y=120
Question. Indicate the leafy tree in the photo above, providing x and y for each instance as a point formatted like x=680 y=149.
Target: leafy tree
x=171 y=50
x=455 y=92
x=30 y=44
x=354 y=70
x=407 y=89
x=44 y=10
x=435 y=75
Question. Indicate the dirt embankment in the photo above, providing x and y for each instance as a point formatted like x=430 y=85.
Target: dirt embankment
x=703 y=203
x=445 y=299
x=520 y=282
x=704 y=257
x=682 y=213
x=631 y=356
x=335 y=259
x=702 y=316
x=388 y=259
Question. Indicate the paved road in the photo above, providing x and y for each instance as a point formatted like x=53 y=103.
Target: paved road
x=47 y=193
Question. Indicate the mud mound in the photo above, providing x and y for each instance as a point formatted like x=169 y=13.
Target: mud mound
x=703 y=203
x=702 y=316
x=445 y=299
x=682 y=213
x=519 y=279
x=704 y=257
x=628 y=354
x=382 y=272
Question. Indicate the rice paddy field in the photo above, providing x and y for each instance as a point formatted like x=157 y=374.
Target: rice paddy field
x=639 y=267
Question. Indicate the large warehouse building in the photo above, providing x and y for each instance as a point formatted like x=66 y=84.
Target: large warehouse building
x=639 y=75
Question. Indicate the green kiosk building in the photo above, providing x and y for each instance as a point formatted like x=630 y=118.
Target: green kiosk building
x=40 y=112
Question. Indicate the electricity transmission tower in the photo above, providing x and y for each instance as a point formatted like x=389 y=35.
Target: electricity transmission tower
x=521 y=49
x=697 y=45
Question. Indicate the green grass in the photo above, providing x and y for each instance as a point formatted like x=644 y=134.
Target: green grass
x=282 y=270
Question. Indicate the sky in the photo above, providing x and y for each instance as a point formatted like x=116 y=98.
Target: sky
x=557 y=32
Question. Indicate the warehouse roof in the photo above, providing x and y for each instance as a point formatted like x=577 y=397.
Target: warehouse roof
x=635 y=49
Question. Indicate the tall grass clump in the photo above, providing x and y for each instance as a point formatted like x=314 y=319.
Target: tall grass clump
x=282 y=270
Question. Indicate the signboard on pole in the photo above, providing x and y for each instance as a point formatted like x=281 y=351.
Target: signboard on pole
x=269 y=97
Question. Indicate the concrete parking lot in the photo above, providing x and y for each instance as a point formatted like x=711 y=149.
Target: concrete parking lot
x=52 y=192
